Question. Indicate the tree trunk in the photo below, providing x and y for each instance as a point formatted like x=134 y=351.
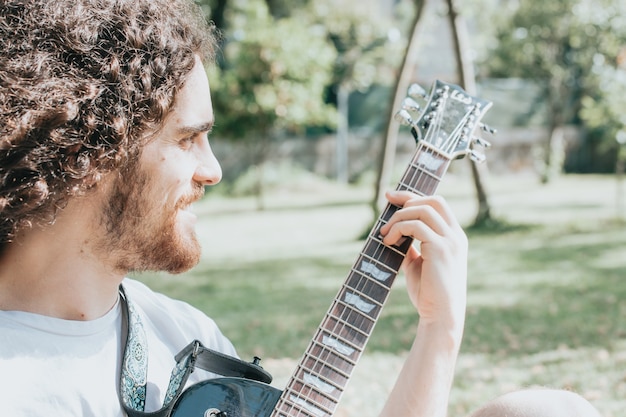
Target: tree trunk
x=468 y=82
x=553 y=148
x=341 y=148
x=260 y=155
x=620 y=168
x=387 y=155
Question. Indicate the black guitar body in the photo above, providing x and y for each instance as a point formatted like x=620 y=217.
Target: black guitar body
x=227 y=397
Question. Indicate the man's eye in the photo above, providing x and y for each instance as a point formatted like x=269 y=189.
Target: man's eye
x=186 y=142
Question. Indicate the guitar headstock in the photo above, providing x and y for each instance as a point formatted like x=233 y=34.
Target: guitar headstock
x=448 y=120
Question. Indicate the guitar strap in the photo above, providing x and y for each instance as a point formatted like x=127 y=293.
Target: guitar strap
x=134 y=369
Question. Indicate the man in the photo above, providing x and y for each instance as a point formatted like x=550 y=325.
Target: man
x=105 y=111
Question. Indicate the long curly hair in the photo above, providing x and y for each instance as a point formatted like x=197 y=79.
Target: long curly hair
x=82 y=82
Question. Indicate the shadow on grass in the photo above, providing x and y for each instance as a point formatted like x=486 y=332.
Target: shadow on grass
x=497 y=226
x=531 y=290
x=587 y=315
x=266 y=308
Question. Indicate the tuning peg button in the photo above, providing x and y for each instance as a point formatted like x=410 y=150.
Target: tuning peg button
x=488 y=128
x=409 y=104
x=403 y=117
x=416 y=90
x=477 y=156
x=481 y=142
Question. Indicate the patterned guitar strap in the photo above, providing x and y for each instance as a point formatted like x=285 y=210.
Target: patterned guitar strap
x=134 y=369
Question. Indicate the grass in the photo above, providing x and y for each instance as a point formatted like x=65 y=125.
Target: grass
x=546 y=288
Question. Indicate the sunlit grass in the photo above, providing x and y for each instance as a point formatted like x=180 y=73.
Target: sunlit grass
x=546 y=287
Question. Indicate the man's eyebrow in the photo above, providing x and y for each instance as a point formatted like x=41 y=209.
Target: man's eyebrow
x=201 y=128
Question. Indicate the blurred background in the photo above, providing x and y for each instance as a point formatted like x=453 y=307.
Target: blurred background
x=304 y=92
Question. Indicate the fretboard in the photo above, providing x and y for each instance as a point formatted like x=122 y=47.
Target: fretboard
x=315 y=388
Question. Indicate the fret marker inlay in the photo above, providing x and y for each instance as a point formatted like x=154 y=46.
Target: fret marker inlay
x=356 y=301
x=317 y=382
x=429 y=161
x=337 y=345
x=302 y=402
x=370 y=268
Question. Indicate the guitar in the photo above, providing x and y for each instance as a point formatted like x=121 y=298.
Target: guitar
x=444 y=130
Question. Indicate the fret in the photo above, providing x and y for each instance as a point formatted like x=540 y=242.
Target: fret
x=358 y=276
x=430 y=159
x=301 y=406
x=308 y=401
x=310 y=394
x=419 y=175
x=423 y=191
x=384 y=255
x=324 y=381
x=336 y=365
x=359 y=297
x=372 y=260
x=321 y=379
x=372 y=270
x=365 y=284
x=344 y=346
x=424 y=173
x=426 y=183
x=389 y=211
x=326 y=386
x=314 y=387
x=354 y=318
x=378 y=239
x=344 y=330
x=293 y=406
x=332 y=358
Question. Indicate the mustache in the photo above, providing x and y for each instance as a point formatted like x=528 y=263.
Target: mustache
x=196 y=194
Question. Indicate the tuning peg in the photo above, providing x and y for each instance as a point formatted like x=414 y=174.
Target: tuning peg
x=416 y=90
x=487 y=128
x=403 y=117
x=477 y=156
x=481 y=142
x=410 y=105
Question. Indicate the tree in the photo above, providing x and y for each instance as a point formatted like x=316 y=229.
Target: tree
x=555 y=44
x=390 y=140
x=368 y=46
x=467 y=80
x=465 y=70
x=269 y=83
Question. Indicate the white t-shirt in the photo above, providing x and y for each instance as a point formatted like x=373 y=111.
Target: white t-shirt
x=55 y=367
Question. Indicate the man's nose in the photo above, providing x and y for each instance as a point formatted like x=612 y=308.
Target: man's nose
x=208 y=171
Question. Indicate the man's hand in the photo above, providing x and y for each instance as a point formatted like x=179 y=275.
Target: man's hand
x=436 y=274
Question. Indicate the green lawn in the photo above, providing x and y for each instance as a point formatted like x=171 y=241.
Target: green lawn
x=546 y=294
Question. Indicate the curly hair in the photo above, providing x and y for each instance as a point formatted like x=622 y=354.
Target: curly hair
x=82 y=82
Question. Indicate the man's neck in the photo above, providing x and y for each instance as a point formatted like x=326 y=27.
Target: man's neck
x=53 y=271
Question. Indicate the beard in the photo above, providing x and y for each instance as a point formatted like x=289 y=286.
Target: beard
x=142 y=234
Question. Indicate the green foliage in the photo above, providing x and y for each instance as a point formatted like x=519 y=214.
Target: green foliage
x=545 y=301
x=603 y=111
x=570 y=48
x=367 y=39
x=274 y=75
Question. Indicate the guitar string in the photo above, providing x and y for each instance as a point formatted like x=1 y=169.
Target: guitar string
x=330 y=317
x=362 y=277
x=448 y=142
x=404 y=182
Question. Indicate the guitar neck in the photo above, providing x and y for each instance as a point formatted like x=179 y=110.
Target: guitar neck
x=319 y=381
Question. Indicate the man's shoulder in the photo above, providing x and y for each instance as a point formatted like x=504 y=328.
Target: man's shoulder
x=175 y=320
x=154 y=304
